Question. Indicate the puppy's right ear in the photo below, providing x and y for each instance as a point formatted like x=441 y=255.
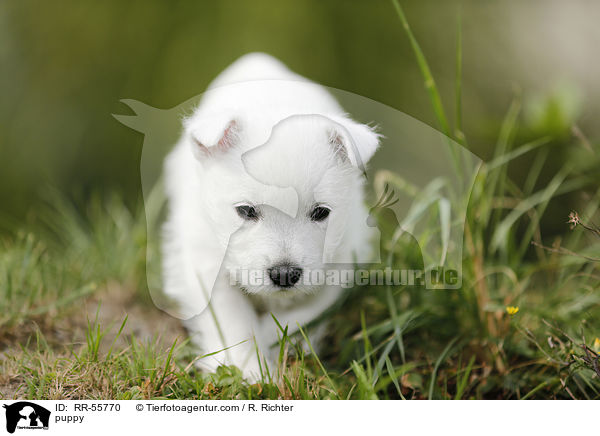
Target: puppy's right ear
x=355 y=141
x=211 y=135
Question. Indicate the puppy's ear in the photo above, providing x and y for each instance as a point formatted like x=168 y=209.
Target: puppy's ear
x=354 y=142
x=213 y=134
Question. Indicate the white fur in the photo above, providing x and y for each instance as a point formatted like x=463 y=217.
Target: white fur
x=266 y=136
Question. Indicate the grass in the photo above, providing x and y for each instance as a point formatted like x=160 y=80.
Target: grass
x=76 y=320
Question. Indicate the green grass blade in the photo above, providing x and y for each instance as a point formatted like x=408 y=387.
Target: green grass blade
x=365 y=388
x=462 y=383
x=458 y=129
x=500 y=235
x=392 y=373
x=438 y=362
x=430 y=85
x=312 y=350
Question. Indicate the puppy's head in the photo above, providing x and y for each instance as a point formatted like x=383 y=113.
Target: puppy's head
x=280 y=196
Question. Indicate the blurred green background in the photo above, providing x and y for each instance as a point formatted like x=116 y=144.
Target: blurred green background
x=64 y=66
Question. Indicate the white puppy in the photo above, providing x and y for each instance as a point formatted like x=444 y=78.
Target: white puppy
x=264 y=186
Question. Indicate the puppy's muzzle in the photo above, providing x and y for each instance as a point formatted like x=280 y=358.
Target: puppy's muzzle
x=285 y=275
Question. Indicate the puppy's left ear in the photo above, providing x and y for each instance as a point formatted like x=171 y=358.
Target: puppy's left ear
x=213 y=133
x=354 y=141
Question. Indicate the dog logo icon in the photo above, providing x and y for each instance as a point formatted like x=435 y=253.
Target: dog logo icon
x=26 y=415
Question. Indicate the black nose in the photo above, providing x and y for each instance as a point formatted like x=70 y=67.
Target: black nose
x=285 y=275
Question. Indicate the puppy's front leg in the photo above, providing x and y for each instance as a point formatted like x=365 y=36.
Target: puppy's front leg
x=229 y=327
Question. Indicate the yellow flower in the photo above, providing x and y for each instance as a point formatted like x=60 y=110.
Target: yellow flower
x=511 y=310
x=596 y=345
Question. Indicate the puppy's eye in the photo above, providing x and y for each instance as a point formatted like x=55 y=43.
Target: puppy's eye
x=319 y=213
x=247 y=212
